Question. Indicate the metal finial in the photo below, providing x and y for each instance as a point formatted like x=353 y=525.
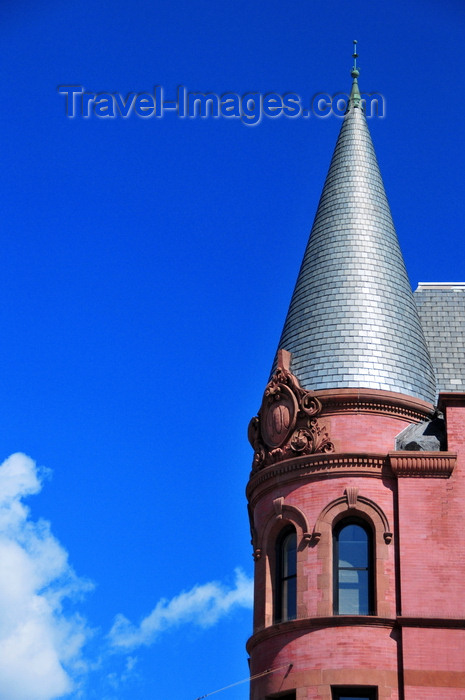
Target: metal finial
x=355 y=96
x=355 y=71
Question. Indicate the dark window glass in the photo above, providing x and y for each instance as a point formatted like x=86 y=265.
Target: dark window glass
x=286 y=576
x=353 y=569
x=354 y=694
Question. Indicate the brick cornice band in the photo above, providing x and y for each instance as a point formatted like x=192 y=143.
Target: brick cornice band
x=310 y=624
x=436 y=465
x=432 y=622
x=376 y=401
x=318 y=465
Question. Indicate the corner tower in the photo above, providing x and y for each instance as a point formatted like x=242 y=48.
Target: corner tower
x=351 y=469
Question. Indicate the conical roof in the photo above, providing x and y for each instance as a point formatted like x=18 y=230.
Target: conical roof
x=352 y=321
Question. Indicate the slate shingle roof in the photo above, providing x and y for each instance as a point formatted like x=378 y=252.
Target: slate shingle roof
x=442 y=314
x=352 y=321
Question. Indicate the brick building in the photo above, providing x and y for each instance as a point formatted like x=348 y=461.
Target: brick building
x=357 y=490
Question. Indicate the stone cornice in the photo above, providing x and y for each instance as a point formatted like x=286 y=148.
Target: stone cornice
x=319 y=466
x=438 y=465
x=401 y=464
x=374 y=401
x=309 y=624
x=450 y=398
x=435 y=622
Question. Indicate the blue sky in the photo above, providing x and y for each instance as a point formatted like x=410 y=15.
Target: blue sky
x=147 y=268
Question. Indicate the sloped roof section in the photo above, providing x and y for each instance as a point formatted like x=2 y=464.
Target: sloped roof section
x=352 y=321
x=442 y=313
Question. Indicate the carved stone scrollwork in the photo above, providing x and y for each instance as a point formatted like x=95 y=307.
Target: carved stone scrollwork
x=286 y=426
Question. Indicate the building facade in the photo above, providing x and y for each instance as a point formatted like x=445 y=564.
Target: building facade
x=357 y=489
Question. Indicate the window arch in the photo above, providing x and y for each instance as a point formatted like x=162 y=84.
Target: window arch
x=353 y=572
x=285 y=607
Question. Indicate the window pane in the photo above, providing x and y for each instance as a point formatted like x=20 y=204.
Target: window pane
x=353 y=570
x=349 y=576
x=290 y=555
x=353 y=546
x=353 y=593
x=354 y=695
x=348 y=601
x=289 y=599
x=286 y=576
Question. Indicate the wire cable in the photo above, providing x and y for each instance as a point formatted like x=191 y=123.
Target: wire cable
x=250 y=678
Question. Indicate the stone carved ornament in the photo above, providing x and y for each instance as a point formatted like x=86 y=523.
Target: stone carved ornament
x=286 y=425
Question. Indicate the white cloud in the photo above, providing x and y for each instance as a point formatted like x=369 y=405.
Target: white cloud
x=203 y=606
x=40 y=644
x=41 y=636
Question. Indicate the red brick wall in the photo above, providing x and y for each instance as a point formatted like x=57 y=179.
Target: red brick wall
x=363 y=432
x=434 y=664
x=427 y=519
x=332 y=656
x=313 y=584
x=432 y=527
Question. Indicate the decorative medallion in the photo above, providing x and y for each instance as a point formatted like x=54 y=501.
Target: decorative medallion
x=286 y=426
x=278 y=413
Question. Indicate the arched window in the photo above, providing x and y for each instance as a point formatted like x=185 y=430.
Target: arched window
x=353 y=568
x=286 y=576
